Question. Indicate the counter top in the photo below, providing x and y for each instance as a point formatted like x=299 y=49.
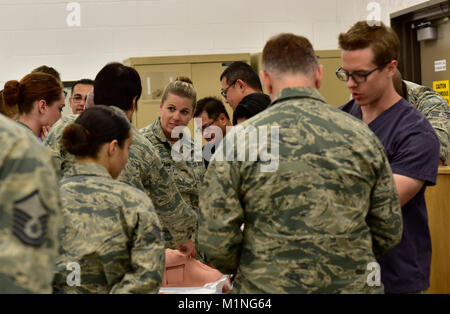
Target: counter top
x=444 y=170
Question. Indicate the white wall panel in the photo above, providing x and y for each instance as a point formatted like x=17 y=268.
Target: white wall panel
x=35 y=32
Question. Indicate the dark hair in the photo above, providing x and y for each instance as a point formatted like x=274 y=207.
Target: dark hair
x=397 y=79
x=250 y=106
x=10 y=112
x=243 y=71
x=82 y=81
x=383 y=40
x=182 y=87
x=289 y=53
x=116 y=85
x=48 y=70
x=34 y=86
x=94 y=127
x=3 y=109
x=212 y=106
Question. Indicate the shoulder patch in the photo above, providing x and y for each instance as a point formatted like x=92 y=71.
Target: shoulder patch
x=30 y=220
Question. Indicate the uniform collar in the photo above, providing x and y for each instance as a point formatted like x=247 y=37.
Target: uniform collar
x=24 y=125
x=157 y=130
x=298 y=92
x=122 y=113
x=87 y=169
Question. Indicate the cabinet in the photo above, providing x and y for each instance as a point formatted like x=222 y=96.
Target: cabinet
x=334 y=91
x=157 y=72
x=438 y=203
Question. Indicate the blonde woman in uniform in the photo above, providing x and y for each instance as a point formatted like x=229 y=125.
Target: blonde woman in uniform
x=176 y=110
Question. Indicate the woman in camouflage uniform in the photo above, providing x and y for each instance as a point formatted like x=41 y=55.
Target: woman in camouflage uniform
x=38 y=98
x=111 y=239
x=176 y=110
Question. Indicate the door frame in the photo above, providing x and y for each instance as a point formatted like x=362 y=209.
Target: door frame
x=404 y=23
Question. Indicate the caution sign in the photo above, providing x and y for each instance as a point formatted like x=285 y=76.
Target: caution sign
x=442 y=87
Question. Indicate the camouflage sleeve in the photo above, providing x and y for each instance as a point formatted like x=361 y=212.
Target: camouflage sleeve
x=60 y=157
x=52 y=143
x=436 y=109
x=29 y=211
x=174 y=213
x=147 y=251
x=221 y=216
x=384 y=217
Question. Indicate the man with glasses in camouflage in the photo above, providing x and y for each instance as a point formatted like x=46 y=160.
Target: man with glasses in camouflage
x=80 y=89
x=370 y=56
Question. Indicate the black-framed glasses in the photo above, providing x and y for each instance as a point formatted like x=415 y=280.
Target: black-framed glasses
x=225 y=91
x=358 y=77
x=204 y=127
x=77 y=99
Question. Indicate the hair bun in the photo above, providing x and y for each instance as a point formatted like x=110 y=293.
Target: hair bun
x=11 y=93
x=184 y=79
x=76 y=139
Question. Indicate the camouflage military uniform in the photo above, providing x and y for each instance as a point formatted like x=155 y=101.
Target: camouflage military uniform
x=29 y=211
x=144 y=171
x=186 y=174
x=315 y=223
x=61 y=158
x=436 y=109
x=112 y=231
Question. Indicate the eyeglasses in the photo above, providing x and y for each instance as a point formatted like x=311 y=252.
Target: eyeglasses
x=77 y=99
x=204 y=127
x=225 y=91
x=358 y=77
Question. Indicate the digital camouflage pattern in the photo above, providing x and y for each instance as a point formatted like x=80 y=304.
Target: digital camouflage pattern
x=187 y=175
x=314 y=224
x=29 y=211
x=112 y=231
x=436 y=109
x=144 y=171
x=61 y=158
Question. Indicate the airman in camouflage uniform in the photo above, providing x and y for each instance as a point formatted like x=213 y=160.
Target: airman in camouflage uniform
x=112 y=231
x=313 y=224
x=435 y=108
x=29 y=211
x=186 y=174
x=144 y=171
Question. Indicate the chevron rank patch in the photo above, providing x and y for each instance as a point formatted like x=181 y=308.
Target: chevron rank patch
x=30 y=220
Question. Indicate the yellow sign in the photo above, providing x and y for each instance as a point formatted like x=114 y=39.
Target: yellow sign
x=442 y=87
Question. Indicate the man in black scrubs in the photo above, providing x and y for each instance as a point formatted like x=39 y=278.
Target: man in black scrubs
x=369 y=61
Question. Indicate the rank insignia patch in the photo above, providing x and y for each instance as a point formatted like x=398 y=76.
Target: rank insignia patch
x=30 y=220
